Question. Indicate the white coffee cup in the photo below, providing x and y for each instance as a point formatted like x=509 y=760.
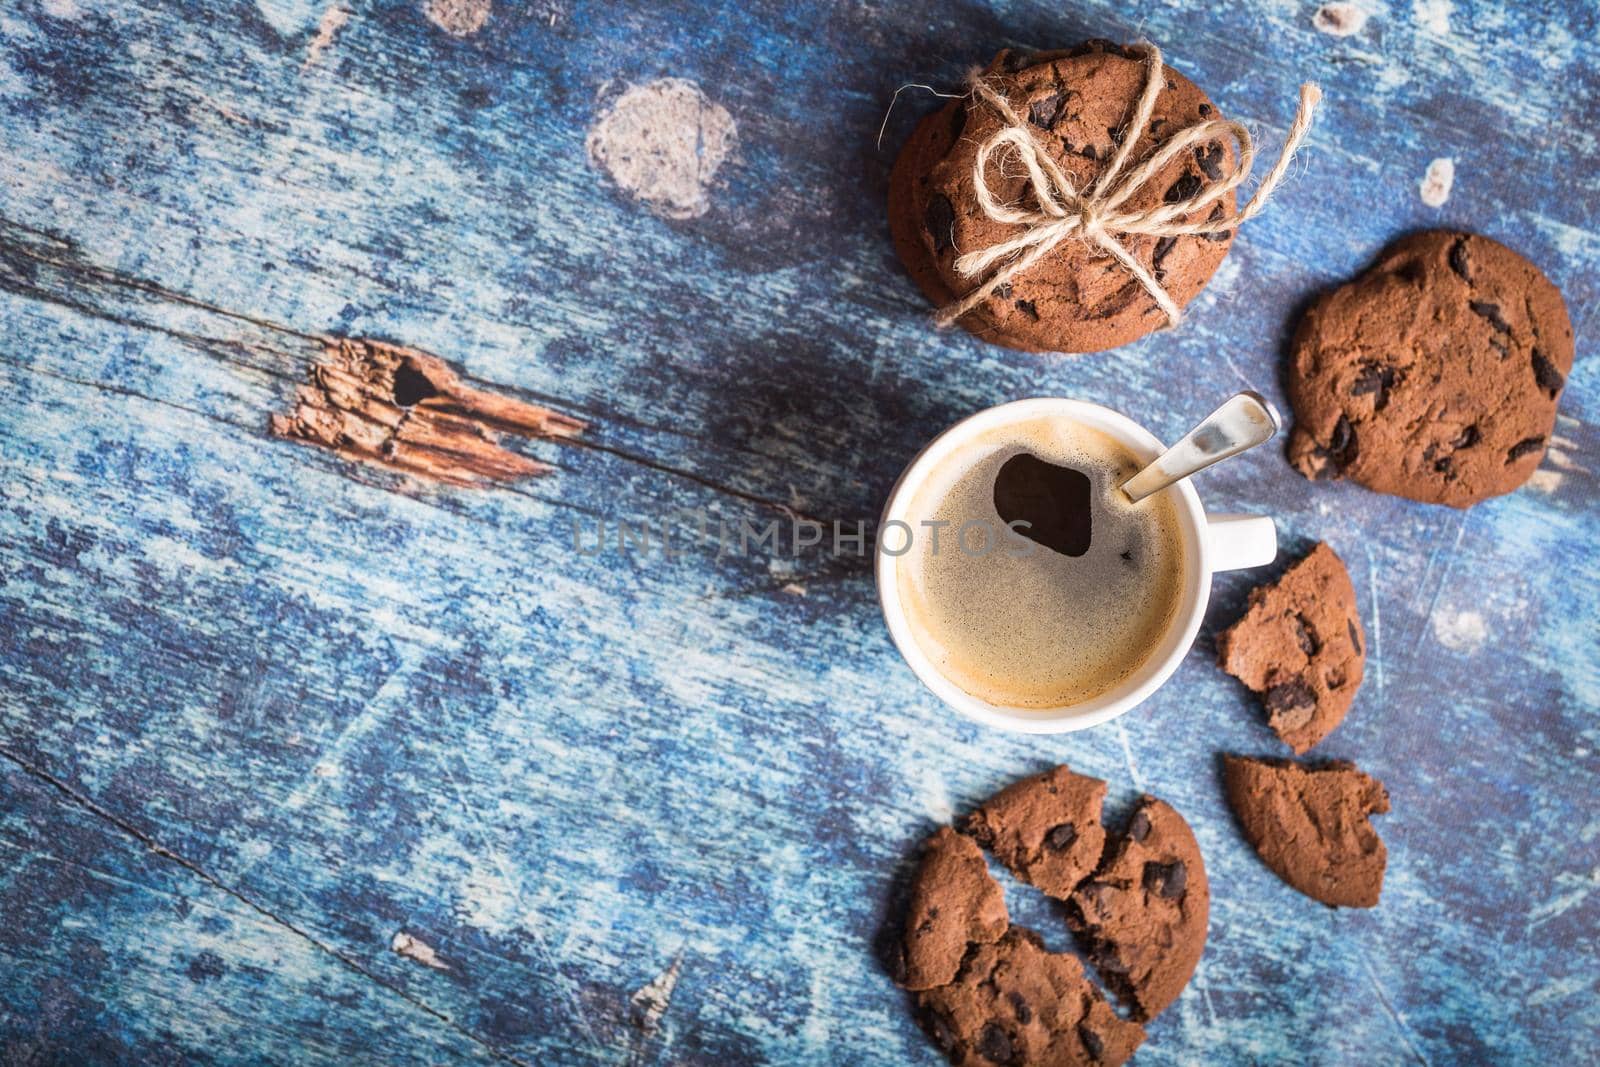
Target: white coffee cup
x=1211 y=543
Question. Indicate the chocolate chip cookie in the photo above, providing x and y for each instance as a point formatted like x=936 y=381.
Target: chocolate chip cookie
x=1301 y=647
x=1434 y=375
x=1076 y=105
x=1046 y=829
x=1016 y=1003
x=955 y=903
x=1143 y=914
x=1310 y=825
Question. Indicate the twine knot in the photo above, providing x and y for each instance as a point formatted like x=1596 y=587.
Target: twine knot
x=1094 y=214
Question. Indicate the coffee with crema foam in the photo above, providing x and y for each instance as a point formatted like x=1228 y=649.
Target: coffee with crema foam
x=1030 y=580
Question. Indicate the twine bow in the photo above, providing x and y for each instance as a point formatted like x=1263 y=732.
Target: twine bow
x=1096 y=213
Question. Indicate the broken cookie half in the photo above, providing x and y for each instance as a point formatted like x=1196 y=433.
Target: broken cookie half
x=1138 y=905
x=1301 y=647
x=1311 y=825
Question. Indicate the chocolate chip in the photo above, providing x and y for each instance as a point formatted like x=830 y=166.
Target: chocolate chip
x=1088 y=152
x=1376 y=379
x=1545 y=373
x=1305 y=635
x=1061 y=837
x=1185 y=187
x=1205 y=109
x=897 y=963
x=1046 y=112
x=1156 y=124
x=940 y=1030
x=1355 y=636
x=940 y=219
x=1117 y=301
x=1139 y=826
x=1490 y=313
x=1091 y=1042
x=1019 y=59
x=1166 y=880
x=1458 y=259
x=1286 y=696
x=1334 y=677
x=1467 y=438
x=1446 y=466
x=994 y=1044
x=1115 y=133
x=1342 y=447
x=1163 y=246
x=1411 y=271
x=1019 y=1007
x=1210 y=159
x=1526 y=447
x=1219 y=235
x=1028 y=308
x=1499 y=345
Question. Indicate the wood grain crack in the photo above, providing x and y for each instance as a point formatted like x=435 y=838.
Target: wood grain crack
x=89 y=805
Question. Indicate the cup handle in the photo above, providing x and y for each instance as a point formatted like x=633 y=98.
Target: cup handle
x=1238 y=541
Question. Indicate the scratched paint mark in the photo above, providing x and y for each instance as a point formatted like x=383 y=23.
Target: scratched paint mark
x=1461 y=631
x=1339 y=19
x=650 y=1003
x=400 y=408
x=794 y=589
x=1437 y=181
x=458 y=18
x=415 y=949
x=333 y=20
x=1433 y=16
x=662 y=143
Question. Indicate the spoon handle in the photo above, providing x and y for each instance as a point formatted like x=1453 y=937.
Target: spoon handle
x=1243 y=421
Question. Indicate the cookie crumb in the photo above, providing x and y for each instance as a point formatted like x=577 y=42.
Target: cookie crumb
x=1339 y=19
x=414 y=949
x=1437 y=181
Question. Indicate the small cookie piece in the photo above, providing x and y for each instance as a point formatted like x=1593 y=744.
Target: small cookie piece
x=1016 y=1003
x=1310 y=825
x=1076 y=104
x=1144 y=913
x=1434 y=375
x=955 y=902
x=1046 y=829
x=1301 y=646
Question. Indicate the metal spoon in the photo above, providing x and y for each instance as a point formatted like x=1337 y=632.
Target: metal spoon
x=1243 y=421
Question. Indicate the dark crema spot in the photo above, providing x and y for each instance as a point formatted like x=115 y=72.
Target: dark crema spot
x=1053 y=501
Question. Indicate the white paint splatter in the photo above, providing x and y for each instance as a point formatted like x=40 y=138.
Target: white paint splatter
x=1437 y=181
x=1433 y=15
x=61 y=9
x=794 y=589
x=653 y=998
x=1339 y=19
x=458 y=18
x=333 y=21
x=662 y=143
x=412 y=948
x=287 y=17
x=1546 y=481
x=1462 y=631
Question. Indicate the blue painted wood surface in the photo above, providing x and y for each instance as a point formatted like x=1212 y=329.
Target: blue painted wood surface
x=267 y=719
